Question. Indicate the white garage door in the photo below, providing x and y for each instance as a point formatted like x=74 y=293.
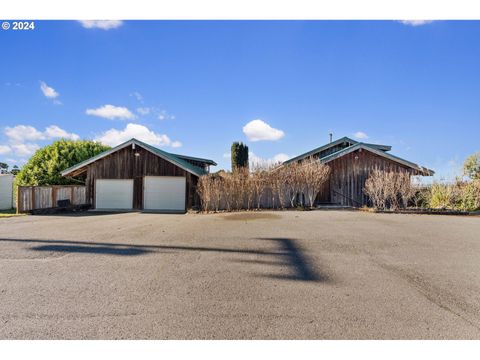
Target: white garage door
x=164 y=193
x=6 y=193
x=114 y=194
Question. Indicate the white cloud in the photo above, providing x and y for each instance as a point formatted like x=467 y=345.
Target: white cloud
x=26 y=149
x=114 y=137
x=21 y=133
x=143 y=110
x=4 y=149
x=227 y=155
x=111 y=112
x=360 y=135
x=415 y=22
x=54 y=131
x=22 y=138
x=257 y=130
x=48 y=91
x=101 y=24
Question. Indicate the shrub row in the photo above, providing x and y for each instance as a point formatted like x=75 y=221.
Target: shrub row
x=263 y=187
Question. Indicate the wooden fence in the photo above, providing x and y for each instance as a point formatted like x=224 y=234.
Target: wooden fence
x=31 y=198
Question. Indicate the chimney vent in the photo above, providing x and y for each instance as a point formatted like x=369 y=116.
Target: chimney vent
x=331 y=136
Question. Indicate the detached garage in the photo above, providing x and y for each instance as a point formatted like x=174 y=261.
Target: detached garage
x=138 y=176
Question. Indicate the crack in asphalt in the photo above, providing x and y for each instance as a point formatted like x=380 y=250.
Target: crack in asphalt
x=437 y=296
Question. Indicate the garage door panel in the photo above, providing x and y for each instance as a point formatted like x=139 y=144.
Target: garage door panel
x=114 y=194
x=164 y=193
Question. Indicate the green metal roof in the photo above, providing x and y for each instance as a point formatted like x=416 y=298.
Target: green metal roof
x=175 y=159
x=319 y=149
x=380 y=150
x=206 y=161
x=336 y=155
x=334 y=143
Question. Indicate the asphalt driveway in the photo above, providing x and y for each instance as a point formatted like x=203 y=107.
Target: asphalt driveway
x=269 y=275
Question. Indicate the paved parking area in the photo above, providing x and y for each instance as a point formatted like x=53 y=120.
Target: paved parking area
x=268 y=275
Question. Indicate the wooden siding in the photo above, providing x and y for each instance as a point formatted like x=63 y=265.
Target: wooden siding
x=349 y=173
x=44 y=197
x=123 y=164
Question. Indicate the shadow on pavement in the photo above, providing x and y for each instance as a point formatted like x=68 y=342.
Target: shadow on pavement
x=287 y=254
x=294 y=256
x=105 y=250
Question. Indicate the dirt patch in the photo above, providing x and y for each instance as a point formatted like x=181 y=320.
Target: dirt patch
x=251 y=216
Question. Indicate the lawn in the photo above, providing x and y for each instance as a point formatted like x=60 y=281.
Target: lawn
x=9 y=213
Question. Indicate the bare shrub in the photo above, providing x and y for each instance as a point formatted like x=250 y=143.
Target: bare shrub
x=204 y=191
x=259 y=178
x=389 y=189
x=228 y=189
x=421 y=194
x=265 y=186
x=277 y=182
x=293 y=182
x=374 y=189
x=313 y=174
x=216 y=191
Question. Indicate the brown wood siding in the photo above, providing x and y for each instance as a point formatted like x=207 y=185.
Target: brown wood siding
x=324 y=195
x=349 y=173
x=123 y=164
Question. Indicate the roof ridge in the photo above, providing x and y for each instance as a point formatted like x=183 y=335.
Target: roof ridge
x=199 y=171
x=321 y=148
x=185 y=165
x=368 y=147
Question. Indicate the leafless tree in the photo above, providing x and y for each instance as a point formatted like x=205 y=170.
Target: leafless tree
x=314 y=174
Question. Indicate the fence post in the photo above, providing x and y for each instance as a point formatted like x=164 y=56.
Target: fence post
x=18 y=199
x=54 y=196
x=32 y=198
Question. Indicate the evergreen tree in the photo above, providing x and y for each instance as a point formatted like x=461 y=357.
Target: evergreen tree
x=239 y=155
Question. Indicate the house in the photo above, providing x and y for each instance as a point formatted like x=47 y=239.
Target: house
x=138 y=176
x=351 y=162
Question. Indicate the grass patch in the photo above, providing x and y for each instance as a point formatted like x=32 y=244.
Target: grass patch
x=9 y=213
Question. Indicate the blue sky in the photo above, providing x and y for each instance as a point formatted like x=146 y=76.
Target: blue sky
x=194 y=87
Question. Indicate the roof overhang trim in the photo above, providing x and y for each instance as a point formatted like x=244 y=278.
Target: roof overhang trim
x=422 y=170
x=75 y=169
